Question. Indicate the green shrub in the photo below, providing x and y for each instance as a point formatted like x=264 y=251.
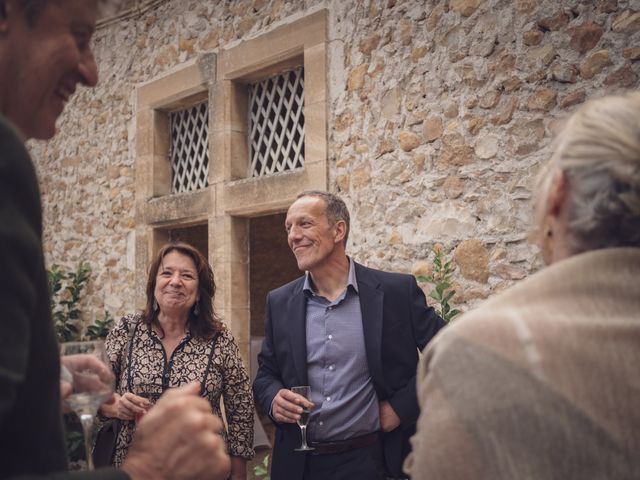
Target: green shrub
x=66 y=289
x=100 y=328
x=441 y=279
x=262 y=470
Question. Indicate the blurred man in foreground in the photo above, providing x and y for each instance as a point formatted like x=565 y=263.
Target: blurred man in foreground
x=44 y=54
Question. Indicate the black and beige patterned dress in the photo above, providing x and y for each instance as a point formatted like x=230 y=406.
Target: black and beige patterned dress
x=226 y=377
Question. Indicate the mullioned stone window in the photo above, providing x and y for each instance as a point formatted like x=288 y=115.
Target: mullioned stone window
x=206 y=175
x=276 y=123
x=189 y=151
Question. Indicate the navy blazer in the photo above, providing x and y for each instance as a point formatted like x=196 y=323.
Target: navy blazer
x=396 y=322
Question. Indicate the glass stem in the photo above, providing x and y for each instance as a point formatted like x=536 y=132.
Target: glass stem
x=304 y=436
x=86 y=419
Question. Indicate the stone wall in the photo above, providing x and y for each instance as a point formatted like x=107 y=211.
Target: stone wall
x=440 y=113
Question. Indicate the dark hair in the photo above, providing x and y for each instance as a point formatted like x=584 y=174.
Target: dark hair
x=207 y=322
x=32 y=9
x=336 y=209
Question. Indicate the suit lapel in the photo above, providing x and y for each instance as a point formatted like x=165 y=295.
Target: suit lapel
x=371 y=302
x=297 y=324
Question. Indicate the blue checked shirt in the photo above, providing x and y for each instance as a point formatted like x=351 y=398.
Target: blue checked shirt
x=346 y=404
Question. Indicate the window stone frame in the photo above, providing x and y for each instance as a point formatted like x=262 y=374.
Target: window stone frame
x=232 y=197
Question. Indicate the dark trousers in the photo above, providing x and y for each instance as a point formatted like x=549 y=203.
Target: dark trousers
x=365 y=463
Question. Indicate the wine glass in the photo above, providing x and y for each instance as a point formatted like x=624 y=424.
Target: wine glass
x=304 y=391
x=86 y=368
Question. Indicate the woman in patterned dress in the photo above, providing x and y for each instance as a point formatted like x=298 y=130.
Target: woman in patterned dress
x=177 y=339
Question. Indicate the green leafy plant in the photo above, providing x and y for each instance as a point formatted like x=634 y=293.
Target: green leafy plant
x=441 y=279
x=66 y=289
x=74 y=438
x=100 y=328
x=262 y=470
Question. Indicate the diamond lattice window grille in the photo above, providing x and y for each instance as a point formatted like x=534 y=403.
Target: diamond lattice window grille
x=276 y=124
x=189 y=151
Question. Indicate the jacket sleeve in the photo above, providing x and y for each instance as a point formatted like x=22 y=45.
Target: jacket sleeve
x=425 y=324
x=269 y=378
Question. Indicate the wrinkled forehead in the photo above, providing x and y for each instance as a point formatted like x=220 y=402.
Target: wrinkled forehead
x=307 y=206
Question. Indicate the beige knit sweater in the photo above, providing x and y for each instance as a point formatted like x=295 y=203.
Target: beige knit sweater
x=540 y=382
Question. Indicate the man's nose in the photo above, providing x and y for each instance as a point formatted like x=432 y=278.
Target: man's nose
x=293 y=232
x=88 y=70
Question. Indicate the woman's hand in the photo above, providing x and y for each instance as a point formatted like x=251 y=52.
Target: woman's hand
x=126 y=407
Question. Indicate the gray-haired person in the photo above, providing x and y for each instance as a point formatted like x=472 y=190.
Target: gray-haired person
x=542 y=380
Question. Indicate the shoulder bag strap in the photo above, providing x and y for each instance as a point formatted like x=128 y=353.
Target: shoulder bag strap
x=132 y=333
x=206 y=371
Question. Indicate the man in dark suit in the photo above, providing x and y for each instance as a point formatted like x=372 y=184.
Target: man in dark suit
x=352 y=334
x=45 y=53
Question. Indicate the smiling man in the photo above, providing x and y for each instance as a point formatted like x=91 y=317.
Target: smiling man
x=352 y=334
x=45 y=54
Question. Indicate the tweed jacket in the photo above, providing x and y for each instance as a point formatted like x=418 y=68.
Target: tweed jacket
x=541 y=382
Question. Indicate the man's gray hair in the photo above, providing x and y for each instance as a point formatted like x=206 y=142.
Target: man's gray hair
x=33 y=8
x=336 y=208
x=599 y=153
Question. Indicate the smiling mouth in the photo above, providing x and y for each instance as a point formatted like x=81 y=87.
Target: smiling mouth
x=175 y=294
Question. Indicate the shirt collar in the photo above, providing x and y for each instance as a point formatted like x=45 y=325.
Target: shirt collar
x=308 y=286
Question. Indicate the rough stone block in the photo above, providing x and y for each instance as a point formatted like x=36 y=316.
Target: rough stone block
x=573 y=98
x=558 y=20
x=542 y=100
x=627 y=21
x=356 y=77
x=585 y=37
x=623 y=77
x=408 y=141
x=473 y=259
x=595 y=63
x=432 y=129
x=532 y=37
x=464 y=7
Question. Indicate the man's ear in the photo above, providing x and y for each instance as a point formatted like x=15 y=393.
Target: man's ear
x=5 y=7
x=340 y=230
x=557 y=193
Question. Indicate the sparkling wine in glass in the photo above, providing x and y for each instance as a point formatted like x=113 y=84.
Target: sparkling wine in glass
x=85 y=366
x=304 y=391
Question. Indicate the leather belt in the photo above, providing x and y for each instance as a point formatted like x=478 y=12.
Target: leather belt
x=341 y=446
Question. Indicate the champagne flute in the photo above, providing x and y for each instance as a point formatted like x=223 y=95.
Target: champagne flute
x=86 y=368
x=304 y=391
